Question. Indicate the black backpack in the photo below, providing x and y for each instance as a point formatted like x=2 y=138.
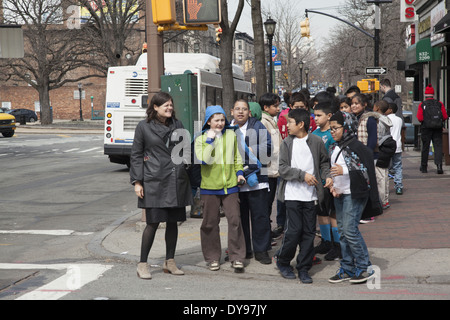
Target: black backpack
x=432 y=114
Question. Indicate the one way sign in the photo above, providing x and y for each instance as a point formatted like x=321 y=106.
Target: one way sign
x=376 y=70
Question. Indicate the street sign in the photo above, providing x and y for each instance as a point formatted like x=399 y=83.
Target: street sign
x=376 y=70
x=274 y=53
x=277 y=65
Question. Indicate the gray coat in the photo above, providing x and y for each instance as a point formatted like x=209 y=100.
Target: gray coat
x=166 y=184
x=321 y=165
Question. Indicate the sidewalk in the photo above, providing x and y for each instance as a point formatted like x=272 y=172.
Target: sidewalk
x=409 y=242
x=62 y=127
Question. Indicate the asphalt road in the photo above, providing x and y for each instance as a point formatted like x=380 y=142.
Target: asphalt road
x=56 y=192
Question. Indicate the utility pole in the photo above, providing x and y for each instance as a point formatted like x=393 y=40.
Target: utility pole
x=155 y=53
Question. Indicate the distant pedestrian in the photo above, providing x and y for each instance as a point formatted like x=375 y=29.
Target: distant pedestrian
x=303 y=166
x=431 y=114
x=355 y=197
x=162 y=187
x=390 y=96
x=397 y=165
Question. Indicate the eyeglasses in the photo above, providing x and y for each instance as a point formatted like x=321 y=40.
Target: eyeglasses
x=335 y=129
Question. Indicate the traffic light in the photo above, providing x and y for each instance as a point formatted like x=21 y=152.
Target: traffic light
x=163 y=12
x=144 y=47
x=218 y=33
x=304 y=28
x=205 y=12
x=368 y=85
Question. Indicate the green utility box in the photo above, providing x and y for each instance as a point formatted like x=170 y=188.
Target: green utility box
x=183 y=89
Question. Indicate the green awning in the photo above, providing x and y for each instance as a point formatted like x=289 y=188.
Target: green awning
x=425 y=52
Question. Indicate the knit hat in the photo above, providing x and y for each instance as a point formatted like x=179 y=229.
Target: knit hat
x=429 y=91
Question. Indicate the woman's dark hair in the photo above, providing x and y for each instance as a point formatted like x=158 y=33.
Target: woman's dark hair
x=158 y=99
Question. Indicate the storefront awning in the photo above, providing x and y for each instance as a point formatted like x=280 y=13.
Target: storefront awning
x=425 y=52
x=443 y=25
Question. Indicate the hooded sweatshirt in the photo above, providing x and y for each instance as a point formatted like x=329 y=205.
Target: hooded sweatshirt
x=220 y=158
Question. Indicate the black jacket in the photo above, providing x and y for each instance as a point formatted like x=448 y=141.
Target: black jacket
x=359 y=186
x=159 y=167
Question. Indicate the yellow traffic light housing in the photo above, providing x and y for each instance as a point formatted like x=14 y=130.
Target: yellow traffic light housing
x=218 y=33
x=163 y=11
x=304 y=28
x=368 y=85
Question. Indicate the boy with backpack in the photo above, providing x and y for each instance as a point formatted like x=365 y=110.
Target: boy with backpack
x=431 y=114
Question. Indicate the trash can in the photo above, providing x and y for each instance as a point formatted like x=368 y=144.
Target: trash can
x=22 y=119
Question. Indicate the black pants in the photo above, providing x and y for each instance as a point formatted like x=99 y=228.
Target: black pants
x=300 y=231
x=255 y=220
x=428 y=135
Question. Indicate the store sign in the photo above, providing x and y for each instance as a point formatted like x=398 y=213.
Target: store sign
x=407 y=11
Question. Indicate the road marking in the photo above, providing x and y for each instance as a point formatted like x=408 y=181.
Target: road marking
x=77 y=276
x=92 y=149
x=74 y=149
x=47 y=232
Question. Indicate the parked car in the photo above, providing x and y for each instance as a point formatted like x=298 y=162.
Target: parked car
x=30 y=116
x=409 y=133
x=7 y=124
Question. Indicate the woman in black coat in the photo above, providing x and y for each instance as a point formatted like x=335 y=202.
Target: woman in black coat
x=160 y=180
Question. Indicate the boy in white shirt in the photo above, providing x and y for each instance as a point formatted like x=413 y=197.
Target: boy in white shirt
x=396 y=130
x=303 y=164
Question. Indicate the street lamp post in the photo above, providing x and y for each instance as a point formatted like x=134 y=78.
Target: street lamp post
x=300 y=64
x=269 y=25
x=80 y=89
x=307 y=82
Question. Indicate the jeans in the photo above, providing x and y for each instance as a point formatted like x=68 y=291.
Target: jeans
x=353 y=248
x=398 y=168
x=300 y=231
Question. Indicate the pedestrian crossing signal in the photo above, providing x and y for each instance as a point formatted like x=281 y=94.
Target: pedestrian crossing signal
x=202 y=12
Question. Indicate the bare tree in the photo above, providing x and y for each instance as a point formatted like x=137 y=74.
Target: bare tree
x=226 y=53
x=260 y=56
x=349 y=51
x=110 y=27
x=52 y=52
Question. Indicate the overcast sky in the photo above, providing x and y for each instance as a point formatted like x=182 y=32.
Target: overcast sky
x=320 y=25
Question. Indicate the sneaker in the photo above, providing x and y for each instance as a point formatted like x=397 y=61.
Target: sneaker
x=340 y=276
x=364 y=221
x=362 y=276
x=214 y=266
x=386 y=206
x=305 y=277
x=399 y=191
x=237 y=265
x=323 y=247
x=286 y=271
x=316 y=260
x=334 y=253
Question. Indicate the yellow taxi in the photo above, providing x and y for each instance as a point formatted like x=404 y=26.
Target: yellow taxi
x=7 y=124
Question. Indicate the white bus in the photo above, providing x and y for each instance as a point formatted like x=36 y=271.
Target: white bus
x=127 y=93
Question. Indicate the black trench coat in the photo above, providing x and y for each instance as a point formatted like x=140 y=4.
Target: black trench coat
x=166 y=184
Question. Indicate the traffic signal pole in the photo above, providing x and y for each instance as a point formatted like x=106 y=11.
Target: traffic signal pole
x=155 y=54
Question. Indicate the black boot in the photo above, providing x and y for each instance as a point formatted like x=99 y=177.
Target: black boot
x=439 y=169
x=423 y=169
